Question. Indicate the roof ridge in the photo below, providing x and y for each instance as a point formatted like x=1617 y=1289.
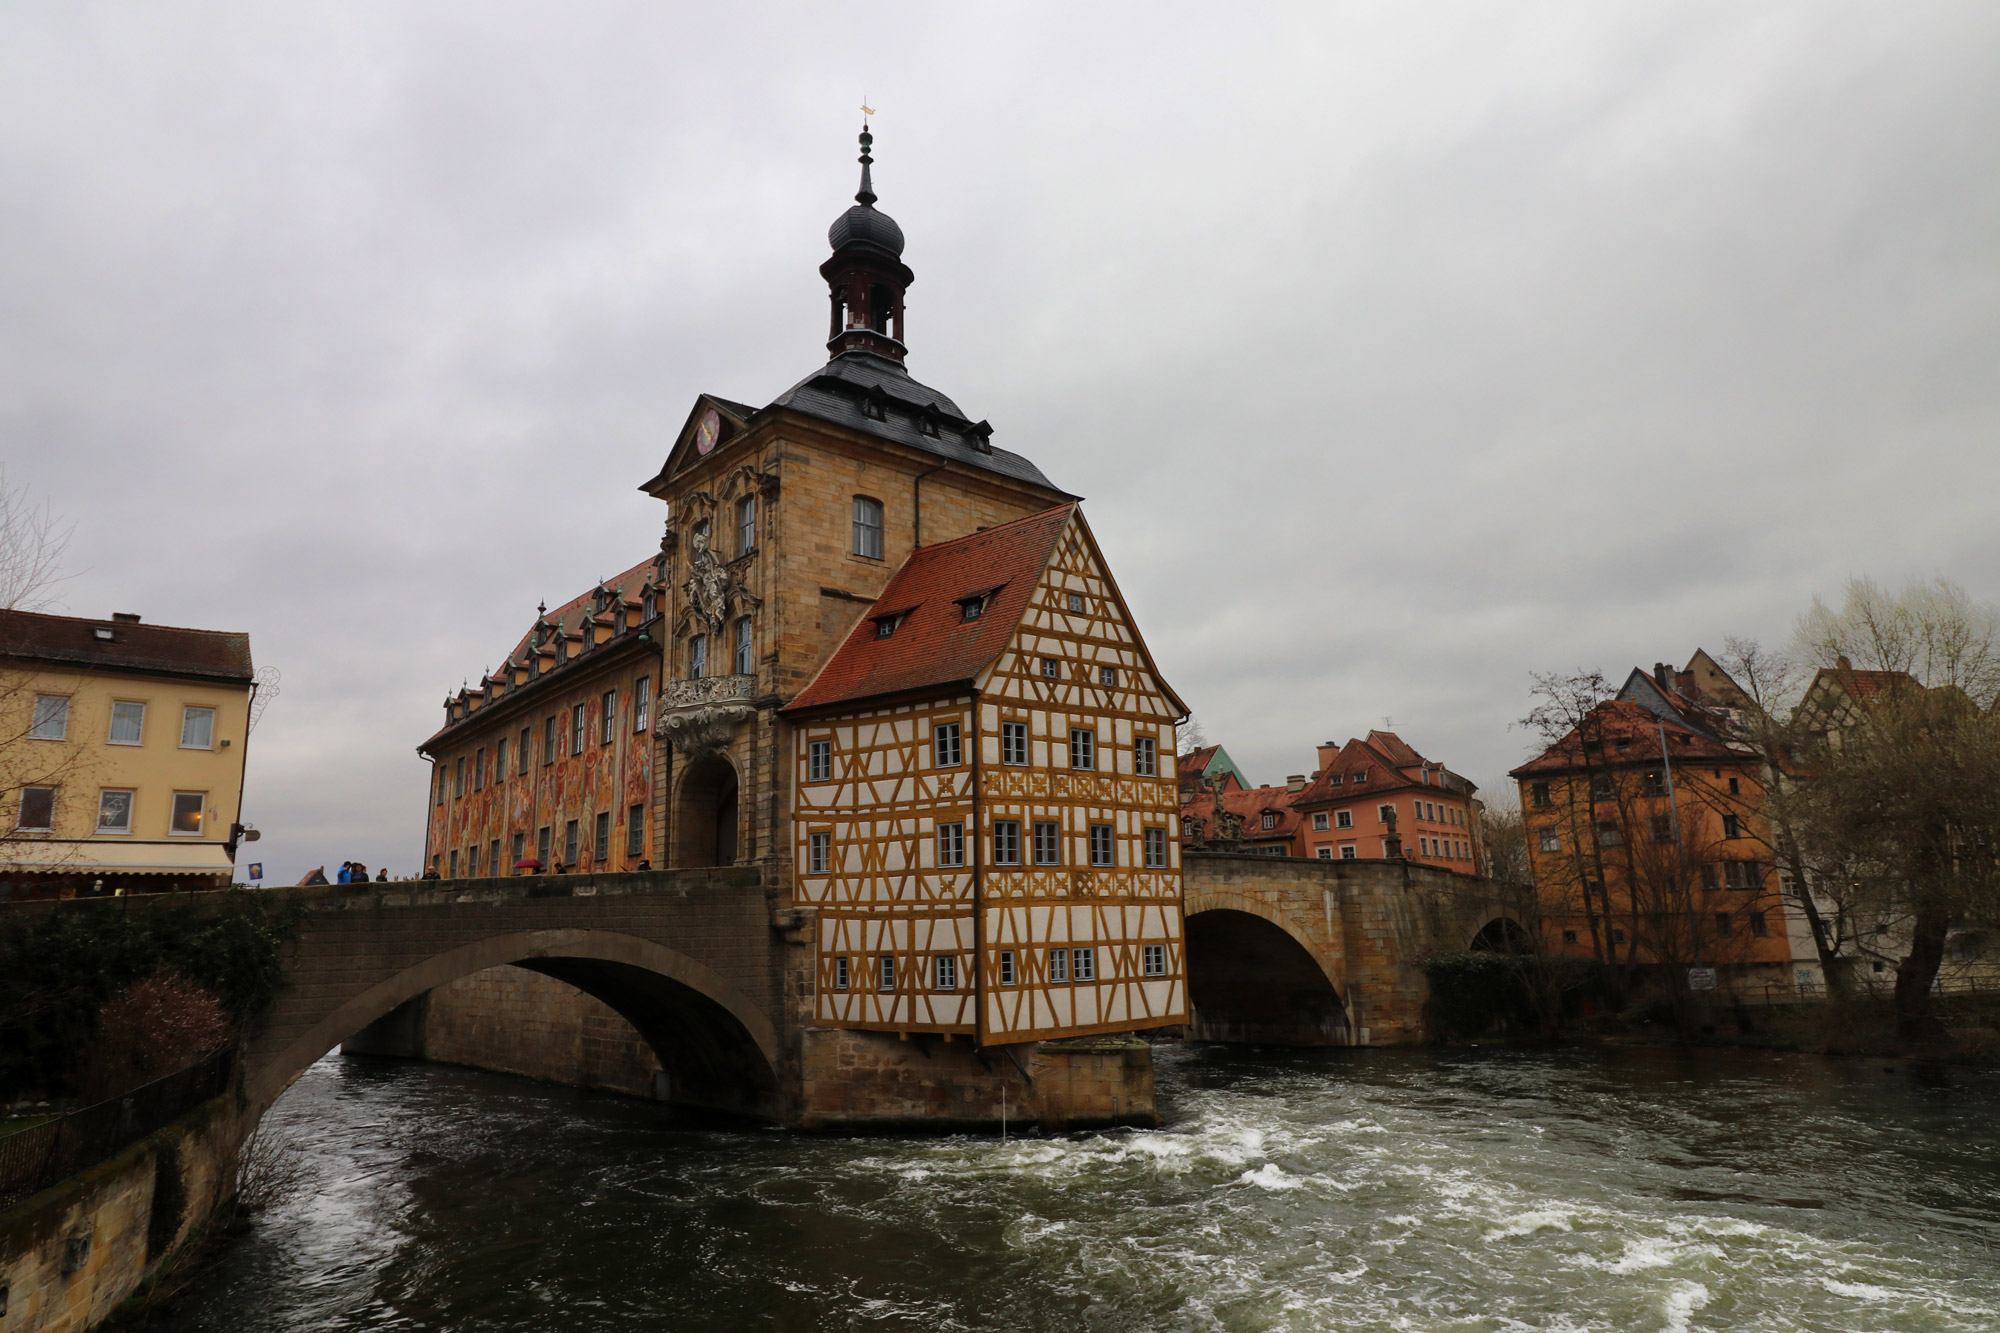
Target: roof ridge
x=988 y=532
x=107 y=620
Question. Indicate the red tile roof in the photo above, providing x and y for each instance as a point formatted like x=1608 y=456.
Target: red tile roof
x=132 y=646
x=572 y=615
x=1355 y=756
x=1195 y=762
x=933 y=644
x=1621 y=719
x=1249 y=805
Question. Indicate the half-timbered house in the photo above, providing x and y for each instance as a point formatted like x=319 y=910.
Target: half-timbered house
x=984 y=821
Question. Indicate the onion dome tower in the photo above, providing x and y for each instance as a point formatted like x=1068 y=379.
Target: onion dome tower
x=866 y=276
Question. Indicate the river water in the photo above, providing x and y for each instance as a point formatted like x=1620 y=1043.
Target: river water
x=1480 y=1189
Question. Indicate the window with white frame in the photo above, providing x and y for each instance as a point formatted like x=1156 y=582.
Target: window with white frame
x=1146 y=756
x=128 y=722
x=186 y=822
x=1343 y=819
x=1049 y=668
x=1006 y=967
x=500 y=760
x=885 y=972
x=743 y=663
x=114 y=810
x=947 y=972
x=819 y=761
x=542 y=846
x=608 y=717
x=840 y=973
x=197 y=728
x=549 y=739
x=1076 y=603
x=1058 y=965
x=1324 y=853
x=600 y=846
x=520 y=850
x=1083 y=964
x=1270 y=820
x=569 y=842
x=1154 y=960
x=1384 y=813
x=819 y=846
x=37 y=811
x=1156 y=848
x=951 y=844
x=635 y=832
x=867 y=527
x=642 y=702
x=697 y=657
x=746 y=525
x=1347 y=852
x=1101 y=848
x=1006 y=842
x=576 y=728
x=945 y=749
x=1013 y=742
x=1319 y=821
x=51 y=720
x=1107 y=676
x=1082 y=747
x=1048 y=843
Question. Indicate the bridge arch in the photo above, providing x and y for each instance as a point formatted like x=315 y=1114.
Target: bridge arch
x=1503 y=934
x=1257 y=975
x=719 y=1048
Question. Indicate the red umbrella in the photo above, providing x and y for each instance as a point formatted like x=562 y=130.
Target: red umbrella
x=527 y=863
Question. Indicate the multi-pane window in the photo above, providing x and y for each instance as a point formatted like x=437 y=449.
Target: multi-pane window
x=1059 y=965
x=37 y=813
x=187 y=814
x=1323 y=853
x=542 y=846
x=1742 y=875
x=840 y=973
x=1732 y=826
x=114 y=812
x=576 y=728
x=197 y=728
x=1048 y=843
x=819 y=761
x=569 y=843
x=1347 y=852
x=746 y=525
x=1385 y=813
x=697 y=657
x=608 y=717
x=1156 y=848
x=1049 y=668
x=1609 y=834
x=635 y=832
x=1146 y=756
x=1006 y=842
x=519 y=847
x=885 y=974
x=819 y=847
x=1663 y=828
x=443 y=782
x=454 y=865
x=1006 y=967
x=1538 y=795
x=742 y=664
x=1083 y=964
x=1154 y=960
x=971 y=608
x=642 y=702
x=1013 y=742
x=500 y=760
x=458 y=777
x=1270 y=820
x=51 y=720
x=1343 y=819
x=947 y=972
x=951 y=844
x=128 y=723
x=867 y=527
x=1082 y=747
x=1758 y=926
x=1548 y=840
x=472 y=861
x=1107 y=676
x=548 y=740
x=1725 y=925
x=945 y=749
x=1100 y=845
x=600 y=846
x=1319 y=821
x=1076 y=602
x=479 y=769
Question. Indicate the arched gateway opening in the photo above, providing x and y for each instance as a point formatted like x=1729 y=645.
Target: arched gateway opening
x=705 y=815
x=717 y=1049
x=1250 y=981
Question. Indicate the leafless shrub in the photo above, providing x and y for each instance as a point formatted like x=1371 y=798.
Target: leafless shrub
x=159 y=1025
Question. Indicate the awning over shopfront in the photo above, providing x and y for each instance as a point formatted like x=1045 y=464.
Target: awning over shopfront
x=93 y=857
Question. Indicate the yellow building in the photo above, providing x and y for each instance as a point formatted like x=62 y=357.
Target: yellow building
x=121 y=754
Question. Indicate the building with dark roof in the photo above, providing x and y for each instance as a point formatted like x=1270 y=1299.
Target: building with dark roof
x=121 y=754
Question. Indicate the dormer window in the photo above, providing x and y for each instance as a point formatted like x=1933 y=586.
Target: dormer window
x=104 y=634
x=875 y=407
x=885 y=627
x=1360 y=776
x=928 y=423
x=648 y=606
x=971 y=608
x=1333 y=780
x=981 y=436
x=1270 y=820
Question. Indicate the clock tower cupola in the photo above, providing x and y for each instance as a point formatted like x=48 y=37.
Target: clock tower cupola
x=866 y=276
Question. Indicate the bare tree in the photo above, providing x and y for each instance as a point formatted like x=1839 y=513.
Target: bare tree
x=32 y=544
x=1901 y=796
x=1503 y=839
x=1189 y=736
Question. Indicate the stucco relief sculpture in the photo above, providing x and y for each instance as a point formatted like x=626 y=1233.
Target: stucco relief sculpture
x=707 y=585
x=699 y=716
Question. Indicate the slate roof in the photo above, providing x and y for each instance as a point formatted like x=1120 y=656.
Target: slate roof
x=932 y=644
x=133 y=646
x=838 y=392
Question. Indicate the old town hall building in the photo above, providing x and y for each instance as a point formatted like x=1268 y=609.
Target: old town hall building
x=881 y=657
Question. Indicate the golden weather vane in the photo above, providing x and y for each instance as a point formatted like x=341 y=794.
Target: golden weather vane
x=866 y=110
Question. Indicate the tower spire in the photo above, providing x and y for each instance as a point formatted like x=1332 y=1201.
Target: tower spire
x=865 y=196
x=866 y=276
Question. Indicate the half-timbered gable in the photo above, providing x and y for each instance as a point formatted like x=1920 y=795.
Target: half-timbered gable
x=983 y=812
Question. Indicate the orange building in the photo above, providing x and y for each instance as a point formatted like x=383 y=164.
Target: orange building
x=1648 y=839
x=1379 y=798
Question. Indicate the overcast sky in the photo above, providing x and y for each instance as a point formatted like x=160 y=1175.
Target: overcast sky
x=1399 y=350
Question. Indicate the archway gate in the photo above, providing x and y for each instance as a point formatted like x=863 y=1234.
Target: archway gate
x=1367 y=926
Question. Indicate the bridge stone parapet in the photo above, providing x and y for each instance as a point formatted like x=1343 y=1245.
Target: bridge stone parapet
x=1296 y=952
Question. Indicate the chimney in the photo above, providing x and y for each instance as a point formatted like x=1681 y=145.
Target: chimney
x=1296 y=782
x=1842 y=663
x=1664 y=674
x=1328 y=752
x=125 y=617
